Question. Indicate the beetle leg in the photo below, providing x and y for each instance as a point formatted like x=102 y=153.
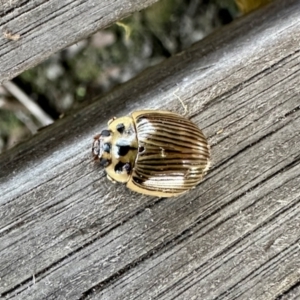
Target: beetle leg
x=111 y=120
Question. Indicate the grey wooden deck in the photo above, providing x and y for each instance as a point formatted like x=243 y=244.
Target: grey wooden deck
x=43 y=27
x=66 y=232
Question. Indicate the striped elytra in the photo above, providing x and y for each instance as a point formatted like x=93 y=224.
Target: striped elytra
x=156 y=153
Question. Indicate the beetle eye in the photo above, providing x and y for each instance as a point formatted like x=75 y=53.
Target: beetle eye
x=120 y=127
x=106 y=147
x=105 y=132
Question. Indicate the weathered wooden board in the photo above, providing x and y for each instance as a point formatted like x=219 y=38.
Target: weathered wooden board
x=68 y=233
x=47 y=26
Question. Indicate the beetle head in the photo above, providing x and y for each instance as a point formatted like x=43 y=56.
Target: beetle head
x=102 y=146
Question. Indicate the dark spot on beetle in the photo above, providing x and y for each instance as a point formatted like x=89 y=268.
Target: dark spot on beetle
x=141 y=149
x=120 y=167
x=138 y=180
x=120 y=127
x=104 y=162
x=105 y=132
x=123 y=150
x=106 y=147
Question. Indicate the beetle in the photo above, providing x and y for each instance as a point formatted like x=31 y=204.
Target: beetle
x=157 y=153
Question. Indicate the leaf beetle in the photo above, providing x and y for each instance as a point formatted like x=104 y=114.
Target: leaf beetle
x=154 y=152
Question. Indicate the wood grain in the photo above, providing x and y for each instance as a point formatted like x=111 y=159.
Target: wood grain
x=68 y=233
x=48 y=26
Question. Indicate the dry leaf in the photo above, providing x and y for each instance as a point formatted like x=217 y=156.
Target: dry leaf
x=245 y=6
